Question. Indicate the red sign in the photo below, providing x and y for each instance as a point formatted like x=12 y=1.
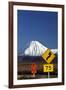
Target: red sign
x=33 y=68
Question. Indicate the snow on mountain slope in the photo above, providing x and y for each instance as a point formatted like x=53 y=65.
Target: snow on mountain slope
x=54 y=50
x=36 y=49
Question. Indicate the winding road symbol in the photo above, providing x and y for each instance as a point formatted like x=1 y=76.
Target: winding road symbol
x=48 y=56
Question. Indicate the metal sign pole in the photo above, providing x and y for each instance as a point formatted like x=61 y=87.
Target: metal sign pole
x=48 y=75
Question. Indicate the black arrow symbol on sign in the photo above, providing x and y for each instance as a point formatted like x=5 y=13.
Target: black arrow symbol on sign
x=49 y=54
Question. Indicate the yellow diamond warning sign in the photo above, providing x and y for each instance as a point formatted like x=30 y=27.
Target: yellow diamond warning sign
x=48 y=56
x=48 y=68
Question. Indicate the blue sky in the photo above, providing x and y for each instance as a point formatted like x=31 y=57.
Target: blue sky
x=37 y=25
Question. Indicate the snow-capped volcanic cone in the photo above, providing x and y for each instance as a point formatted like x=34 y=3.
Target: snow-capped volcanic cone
x=36 y=49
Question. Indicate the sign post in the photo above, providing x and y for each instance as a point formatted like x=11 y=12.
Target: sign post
x=48 y=75
x=48 y=56
x=48 y=68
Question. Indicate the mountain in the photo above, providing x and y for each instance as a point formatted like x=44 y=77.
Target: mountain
x=54 y=51
x=37 y=49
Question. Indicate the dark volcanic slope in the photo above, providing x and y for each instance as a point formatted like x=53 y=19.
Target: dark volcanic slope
x=33 y=59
